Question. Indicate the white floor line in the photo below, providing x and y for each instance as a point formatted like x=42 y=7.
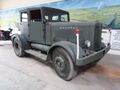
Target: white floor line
x=5 y=42
x=115 y=52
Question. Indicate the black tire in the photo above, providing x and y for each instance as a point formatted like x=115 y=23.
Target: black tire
x=18 y=48
x=63 y=64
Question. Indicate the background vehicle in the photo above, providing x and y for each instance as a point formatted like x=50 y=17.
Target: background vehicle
x=5 y=35
x=66 y=44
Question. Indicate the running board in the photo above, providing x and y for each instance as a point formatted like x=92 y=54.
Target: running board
x=37 y=54
x=40 y=47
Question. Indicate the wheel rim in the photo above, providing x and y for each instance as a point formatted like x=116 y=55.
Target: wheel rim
x=61 y=66
x=59 y=63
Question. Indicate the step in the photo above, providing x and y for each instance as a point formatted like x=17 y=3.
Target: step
x=37 y=54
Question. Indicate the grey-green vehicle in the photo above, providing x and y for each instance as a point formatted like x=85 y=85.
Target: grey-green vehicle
x=66 y=44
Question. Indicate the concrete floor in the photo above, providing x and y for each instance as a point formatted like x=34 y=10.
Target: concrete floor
x=28 y=73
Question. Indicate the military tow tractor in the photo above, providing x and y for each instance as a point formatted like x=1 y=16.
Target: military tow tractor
x=67 y=45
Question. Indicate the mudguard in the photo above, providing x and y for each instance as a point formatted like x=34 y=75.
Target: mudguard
x=22 y=40
x=69 y=47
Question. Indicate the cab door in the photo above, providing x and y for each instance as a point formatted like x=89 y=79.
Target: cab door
x=36 y=27
x=23 y=25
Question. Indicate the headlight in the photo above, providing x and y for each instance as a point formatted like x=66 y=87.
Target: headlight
x=87 y=43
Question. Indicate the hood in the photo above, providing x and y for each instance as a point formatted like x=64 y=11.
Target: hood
x=65 y=31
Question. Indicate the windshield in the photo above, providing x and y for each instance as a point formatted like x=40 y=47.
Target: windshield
x=56 y=17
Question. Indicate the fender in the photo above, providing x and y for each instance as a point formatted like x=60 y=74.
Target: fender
x=71 y=48
x=23 y=41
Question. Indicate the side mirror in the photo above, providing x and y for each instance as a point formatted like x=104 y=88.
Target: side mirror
x=44 y=21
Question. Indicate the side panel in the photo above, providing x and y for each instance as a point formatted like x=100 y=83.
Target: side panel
x=66 y=32
x=36 y=31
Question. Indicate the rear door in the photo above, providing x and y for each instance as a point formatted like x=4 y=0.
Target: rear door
x=36 y=27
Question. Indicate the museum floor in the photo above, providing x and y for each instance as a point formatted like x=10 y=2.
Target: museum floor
x=29 y=73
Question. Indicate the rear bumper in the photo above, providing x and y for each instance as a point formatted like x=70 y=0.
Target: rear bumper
x=93 y=57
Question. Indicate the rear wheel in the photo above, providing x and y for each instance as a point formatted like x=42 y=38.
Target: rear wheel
x=18 y=48
x=63 y=64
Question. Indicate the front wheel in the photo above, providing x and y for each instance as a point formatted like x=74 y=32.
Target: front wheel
x=63 y=64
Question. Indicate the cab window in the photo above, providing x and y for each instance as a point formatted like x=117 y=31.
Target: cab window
x=35 y=15
x=55 y=18
x=64 y=18
x=24 y=17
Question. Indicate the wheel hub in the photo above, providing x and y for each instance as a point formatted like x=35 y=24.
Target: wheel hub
x=59 y=63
